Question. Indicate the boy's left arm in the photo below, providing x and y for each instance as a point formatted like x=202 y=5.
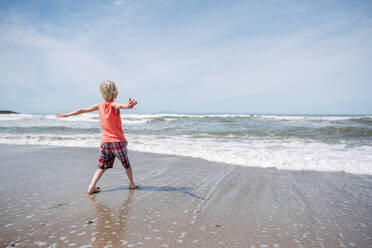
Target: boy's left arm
x=130 y=105
x=78 y=111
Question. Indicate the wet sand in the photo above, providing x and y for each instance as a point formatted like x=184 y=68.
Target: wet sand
x=183 y=202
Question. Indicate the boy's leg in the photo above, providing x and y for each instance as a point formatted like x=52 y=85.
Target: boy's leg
x=130 y=177
x=92 y=187
x=121 y=153
x=105 y=161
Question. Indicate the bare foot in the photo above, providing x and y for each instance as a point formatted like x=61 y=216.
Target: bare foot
x=133 y=187
x=94 y=191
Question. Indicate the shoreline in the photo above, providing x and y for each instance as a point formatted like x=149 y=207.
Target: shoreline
x=185 y=157
x=183 y=202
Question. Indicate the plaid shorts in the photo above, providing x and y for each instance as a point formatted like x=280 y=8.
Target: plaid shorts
x=110 y=150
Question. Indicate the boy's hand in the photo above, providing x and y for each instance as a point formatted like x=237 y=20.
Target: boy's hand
x=132 y=103
x=60 y=115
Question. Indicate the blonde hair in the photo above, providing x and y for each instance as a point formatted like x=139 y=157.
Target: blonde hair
x=108 y=90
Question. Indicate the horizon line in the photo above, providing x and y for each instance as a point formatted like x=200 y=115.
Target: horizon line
x=212 y=113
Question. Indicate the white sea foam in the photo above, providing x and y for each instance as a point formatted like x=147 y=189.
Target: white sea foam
x=17 y=117
x=136 y=122
x=85 y=140
x=290 y=155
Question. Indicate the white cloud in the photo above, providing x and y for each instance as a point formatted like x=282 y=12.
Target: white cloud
x=118 y=3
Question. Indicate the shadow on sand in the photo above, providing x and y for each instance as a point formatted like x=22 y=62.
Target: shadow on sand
x=184 y=190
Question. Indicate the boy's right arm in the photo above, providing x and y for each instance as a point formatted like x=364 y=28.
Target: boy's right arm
x=130 y=105
x=78 y=111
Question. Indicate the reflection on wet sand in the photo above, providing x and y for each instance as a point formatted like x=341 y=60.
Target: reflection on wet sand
x=110 y=223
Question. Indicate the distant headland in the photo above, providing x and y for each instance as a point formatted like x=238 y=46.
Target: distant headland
x=7 y=112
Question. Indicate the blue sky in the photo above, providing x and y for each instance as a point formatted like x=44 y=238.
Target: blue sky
x=280 y=57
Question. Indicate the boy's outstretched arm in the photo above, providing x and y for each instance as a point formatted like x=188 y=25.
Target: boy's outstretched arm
x=130 y=105
x=78 y=111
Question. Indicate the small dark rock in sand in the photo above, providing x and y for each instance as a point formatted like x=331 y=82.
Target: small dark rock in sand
x=57 y=205
x=218 y=225
x=89 y=221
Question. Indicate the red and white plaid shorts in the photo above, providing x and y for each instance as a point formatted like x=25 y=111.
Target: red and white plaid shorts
x=110 y=150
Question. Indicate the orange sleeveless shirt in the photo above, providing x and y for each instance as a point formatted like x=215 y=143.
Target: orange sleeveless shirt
x=110 y=123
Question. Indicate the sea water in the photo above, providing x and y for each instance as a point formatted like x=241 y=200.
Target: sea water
x=294 y=142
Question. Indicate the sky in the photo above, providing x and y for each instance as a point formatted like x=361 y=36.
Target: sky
x=188 y=56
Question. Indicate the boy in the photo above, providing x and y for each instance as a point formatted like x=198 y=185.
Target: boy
x=113 y=142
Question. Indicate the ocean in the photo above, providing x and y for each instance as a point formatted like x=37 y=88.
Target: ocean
x=292 y=142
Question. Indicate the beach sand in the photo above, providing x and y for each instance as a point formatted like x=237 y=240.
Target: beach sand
x=182 y=202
